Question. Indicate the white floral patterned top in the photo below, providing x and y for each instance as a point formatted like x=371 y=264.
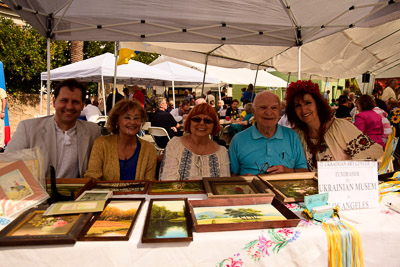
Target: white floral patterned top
x=179 y=163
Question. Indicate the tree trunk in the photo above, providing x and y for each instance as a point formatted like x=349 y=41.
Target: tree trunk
x=76 y=51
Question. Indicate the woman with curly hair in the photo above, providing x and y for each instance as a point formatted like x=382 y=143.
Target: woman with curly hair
x=324 y=137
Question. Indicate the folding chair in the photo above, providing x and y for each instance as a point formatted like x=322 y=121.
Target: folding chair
x=390 y=147
x=158 y=132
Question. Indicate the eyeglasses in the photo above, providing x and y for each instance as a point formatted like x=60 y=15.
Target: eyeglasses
x=263 y=168
x=198 y=120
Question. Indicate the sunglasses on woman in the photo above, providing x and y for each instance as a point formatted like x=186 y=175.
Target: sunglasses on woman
x=198 y=120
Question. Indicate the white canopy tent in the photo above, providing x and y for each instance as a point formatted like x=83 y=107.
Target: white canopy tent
x=101 y=69
x=229 y=75
x=266 y=27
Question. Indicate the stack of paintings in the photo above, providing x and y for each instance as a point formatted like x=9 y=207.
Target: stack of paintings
x=167 y=220
x=70 y=187
x=236 y=187
x=176 y=187
x=122 y=187
x=292 y=187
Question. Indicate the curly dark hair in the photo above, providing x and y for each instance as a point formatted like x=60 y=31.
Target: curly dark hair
x=324 y=110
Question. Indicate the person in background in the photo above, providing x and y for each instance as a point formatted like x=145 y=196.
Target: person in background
x=164 y=119
x=210 y=98
x=122 y=155
x=192 y=102
x=223 y=93
x=326 y=95
x=249 y=94
x=127 y=94
x=180 y=113
x=266 y=147
x=379 y=103
x=3 y=104
x=138 y=95
x=343 y=110
x=195 y=155
x=222 y=109
x=109 y=104
x=194 y=94
x=64 y=140
x=187 y=97
x=199 y=101
x=324 y=137
x=389 y=91
x=233 y=112
x=90 y=112
x=170 y=106
x=368 y=121
x=387 y=127
x=239 y=126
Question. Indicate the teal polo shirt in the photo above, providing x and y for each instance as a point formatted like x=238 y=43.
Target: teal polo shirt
x=250 y=147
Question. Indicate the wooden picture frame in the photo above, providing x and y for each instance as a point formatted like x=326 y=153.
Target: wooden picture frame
x=122 y=187
x=99 y=229
x=179 y=221
x=70 y=186
x=265 y=212
x=19 y=189
x=91 y=195
x=176 y=187
x=30 y=229
x=240 y=186
x=292 y=187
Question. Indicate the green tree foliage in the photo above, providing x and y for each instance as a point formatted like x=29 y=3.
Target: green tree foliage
x=115 y=214
x=242 y=213
x=162 y=213
x=23 y=52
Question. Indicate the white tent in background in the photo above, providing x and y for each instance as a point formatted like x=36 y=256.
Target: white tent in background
x=229 y=75
x=184 y=75
x=101 y=69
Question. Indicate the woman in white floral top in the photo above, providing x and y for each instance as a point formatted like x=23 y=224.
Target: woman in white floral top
x=194 y=155
x=324 y=137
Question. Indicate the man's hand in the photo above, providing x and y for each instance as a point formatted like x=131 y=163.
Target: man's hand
x=2 y=115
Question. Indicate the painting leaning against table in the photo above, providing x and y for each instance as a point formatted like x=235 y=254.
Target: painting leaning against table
x=115 y=220
x=167 y=220
x=296 y=188
x=237 y=214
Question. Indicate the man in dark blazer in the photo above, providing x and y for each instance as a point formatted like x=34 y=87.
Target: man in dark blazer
x=65 y=141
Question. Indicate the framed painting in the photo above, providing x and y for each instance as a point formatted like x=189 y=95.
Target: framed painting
x=292 y=187
x=236 y=187
x=167 y=220
x=230 y=214
x=33 y=228
x=122 y=187
x=116 y=222
x=176 y=187
x=73 y=187
x=94 y=195
x=71 y=207
x=19 y=190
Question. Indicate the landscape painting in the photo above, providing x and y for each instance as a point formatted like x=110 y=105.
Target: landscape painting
x=296 y=188
x=177 y=187
x=237 y=214
x=166 y=220
x=94 y=196
x=119 y=188
x=66 y=189
x=36 y=225
x=232 y=189
x=116 y=220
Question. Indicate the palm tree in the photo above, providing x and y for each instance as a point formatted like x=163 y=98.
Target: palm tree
x=76 y=51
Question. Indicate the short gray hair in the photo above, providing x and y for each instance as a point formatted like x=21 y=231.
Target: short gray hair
x=158 y=101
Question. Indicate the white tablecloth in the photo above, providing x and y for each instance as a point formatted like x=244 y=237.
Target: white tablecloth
x=305 y=245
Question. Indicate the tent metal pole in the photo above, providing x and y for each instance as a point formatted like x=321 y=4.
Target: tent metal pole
x=48 y=76
x=115 y=71
x=254 y=87
x=219 y=91
x=204 y=76
x=299 y=64
x=41 y=97
x=104 y=95
x=173 y=92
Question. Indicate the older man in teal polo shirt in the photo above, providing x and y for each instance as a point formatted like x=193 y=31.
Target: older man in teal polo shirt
x=266 y=147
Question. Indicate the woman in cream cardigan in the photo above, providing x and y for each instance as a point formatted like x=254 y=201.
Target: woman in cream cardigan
x=122 y=155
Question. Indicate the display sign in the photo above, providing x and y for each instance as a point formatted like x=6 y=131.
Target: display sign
x=350 y=184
